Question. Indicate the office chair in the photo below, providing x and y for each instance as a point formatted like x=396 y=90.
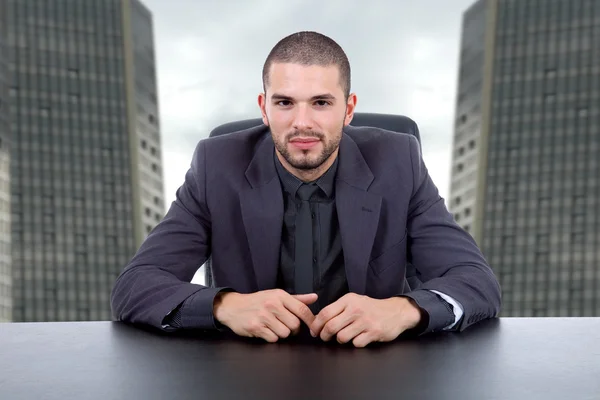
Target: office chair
x=395 y=123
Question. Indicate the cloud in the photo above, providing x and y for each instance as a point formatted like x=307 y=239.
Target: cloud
x=403 y=55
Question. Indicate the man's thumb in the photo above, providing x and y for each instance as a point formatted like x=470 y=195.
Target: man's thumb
x=308 y=298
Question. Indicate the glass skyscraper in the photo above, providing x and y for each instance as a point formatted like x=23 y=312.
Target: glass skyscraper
x=5 y=270
x=86 y=172
x=527 y=150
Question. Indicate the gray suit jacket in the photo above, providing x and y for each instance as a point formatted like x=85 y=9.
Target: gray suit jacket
x=230 y=208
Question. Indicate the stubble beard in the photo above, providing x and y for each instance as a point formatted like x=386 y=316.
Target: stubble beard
x=305 y=162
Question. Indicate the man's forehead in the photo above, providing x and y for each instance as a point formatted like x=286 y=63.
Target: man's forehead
x=291 y=67
x=287 y=77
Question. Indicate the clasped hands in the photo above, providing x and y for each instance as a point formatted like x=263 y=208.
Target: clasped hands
x=276 y=314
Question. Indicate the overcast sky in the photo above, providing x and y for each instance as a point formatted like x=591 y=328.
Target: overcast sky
x=403 y=54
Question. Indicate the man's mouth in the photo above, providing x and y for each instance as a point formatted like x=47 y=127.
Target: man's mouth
x=304 y=143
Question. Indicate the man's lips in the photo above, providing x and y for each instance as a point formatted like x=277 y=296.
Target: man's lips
x=304 y=143
x=305 y=140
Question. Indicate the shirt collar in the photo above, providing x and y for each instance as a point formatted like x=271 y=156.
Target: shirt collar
x=291 y=183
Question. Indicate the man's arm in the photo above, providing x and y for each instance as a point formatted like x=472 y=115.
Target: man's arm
x=157 y=279
x=447 y=258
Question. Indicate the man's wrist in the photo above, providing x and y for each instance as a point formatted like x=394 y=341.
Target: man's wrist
x=438 y=313
x=418 y=313
x=410 y=315
x=220 y=306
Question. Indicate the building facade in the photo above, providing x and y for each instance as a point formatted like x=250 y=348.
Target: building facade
x=469 y=115
x=5 y=139
x=86 y=170
x=537 y=188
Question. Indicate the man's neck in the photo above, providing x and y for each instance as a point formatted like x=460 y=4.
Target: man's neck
x=308 y=175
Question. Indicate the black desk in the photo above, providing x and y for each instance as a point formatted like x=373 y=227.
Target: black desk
x=497 y=359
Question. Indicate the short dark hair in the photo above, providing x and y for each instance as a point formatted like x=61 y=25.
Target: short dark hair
x=309 y=48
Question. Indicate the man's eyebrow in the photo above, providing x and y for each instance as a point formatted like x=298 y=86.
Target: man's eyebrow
x=277 y=96
x=324 y=96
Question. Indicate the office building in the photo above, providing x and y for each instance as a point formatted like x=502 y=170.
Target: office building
x=527 y=138
x=86 y=173
x=5 y=271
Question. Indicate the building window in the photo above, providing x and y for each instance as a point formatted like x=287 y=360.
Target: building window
x=550 y=73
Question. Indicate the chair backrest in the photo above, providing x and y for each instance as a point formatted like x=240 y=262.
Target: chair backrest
x=390 y=122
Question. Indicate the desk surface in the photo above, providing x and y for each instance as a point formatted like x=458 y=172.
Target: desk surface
x=497 y=359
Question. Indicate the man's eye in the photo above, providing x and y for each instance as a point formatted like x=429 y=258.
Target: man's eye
x=283 y=103
x=322 y=103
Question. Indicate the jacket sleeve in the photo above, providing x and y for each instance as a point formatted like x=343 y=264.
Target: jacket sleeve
x=446 y=256
x=157 y=279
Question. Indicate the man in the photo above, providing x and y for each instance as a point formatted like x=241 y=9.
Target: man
x=310 y=223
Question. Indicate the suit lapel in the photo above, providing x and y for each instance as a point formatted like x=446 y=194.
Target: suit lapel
x=262 y=212
x=358 y=213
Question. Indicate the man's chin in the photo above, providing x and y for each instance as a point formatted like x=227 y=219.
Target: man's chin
x=304 y=164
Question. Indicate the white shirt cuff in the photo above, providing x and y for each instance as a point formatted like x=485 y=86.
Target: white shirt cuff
x=457 y=308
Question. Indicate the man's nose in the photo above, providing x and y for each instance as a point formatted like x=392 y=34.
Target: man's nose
x=302 y=118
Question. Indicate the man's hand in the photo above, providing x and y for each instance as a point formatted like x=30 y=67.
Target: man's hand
x=268 y=314
x=362 y=319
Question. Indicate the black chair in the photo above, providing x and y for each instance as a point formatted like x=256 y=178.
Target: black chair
x=395 y=123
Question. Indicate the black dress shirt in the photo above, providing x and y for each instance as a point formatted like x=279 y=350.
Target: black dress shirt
x=329 y=275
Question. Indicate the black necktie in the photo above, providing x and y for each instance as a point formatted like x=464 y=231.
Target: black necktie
x=303 y=276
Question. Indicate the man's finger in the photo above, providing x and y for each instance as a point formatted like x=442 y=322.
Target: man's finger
x=300 y=309
x=288 y=319
x=278 y=327
x=350 y=331
x=329 y=312
x=268 y=335
x=362 y=339
x=336 y=324
x=307 y=299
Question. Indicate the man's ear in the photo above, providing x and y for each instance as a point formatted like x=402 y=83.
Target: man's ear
x=262 y=104
x=350 y=108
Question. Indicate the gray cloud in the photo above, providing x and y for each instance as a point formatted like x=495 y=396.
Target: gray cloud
x=210 y=53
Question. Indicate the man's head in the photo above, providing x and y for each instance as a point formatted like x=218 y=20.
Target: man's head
x=307 y=101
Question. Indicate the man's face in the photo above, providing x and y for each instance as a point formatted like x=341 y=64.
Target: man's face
x=306 y=110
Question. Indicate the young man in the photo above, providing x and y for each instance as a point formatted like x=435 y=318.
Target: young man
x=310 y=223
